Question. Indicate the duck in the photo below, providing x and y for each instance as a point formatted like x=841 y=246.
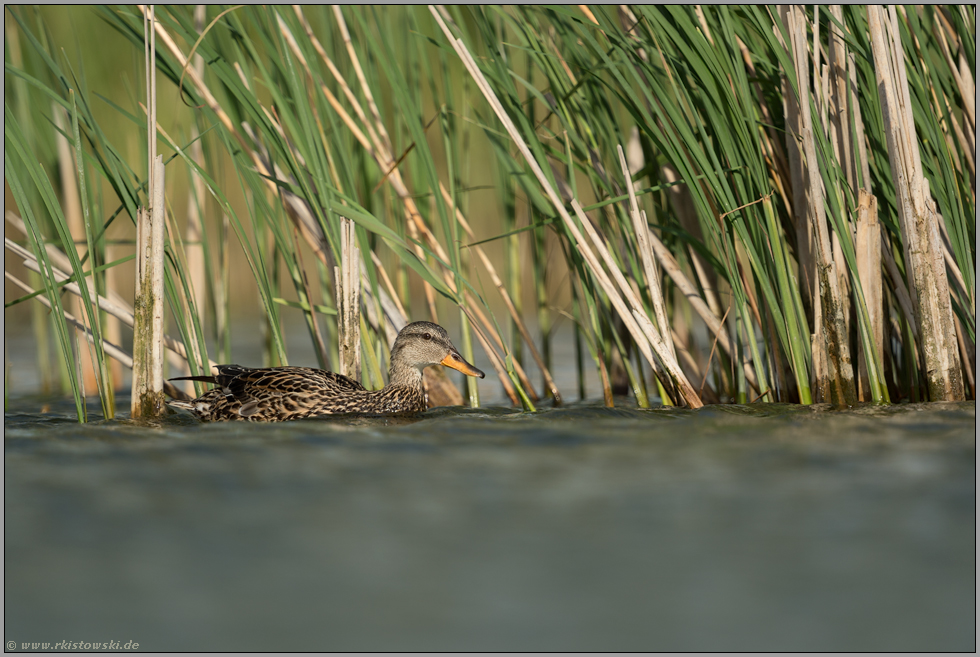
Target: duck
x=276 y=394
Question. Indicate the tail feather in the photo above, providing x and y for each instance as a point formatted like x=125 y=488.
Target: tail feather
x=226 y=373
x=204 y=379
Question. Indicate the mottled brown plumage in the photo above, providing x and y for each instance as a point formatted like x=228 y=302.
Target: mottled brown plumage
x=273 y=394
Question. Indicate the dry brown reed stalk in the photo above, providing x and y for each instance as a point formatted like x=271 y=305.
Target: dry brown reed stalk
x=617 y=368
x=836 y=126
x=683 y=205
x=715 y=325
x=869 y=243
x=800 y=191
x=386 y=281
x=639 y=328
x=644 y=338
x=961 y=139
x=198 y=80
x=194 y=245
x=918 y=216
x=954 y=269
x=112 y=329
x=73 y=216
x=643 y=245
x=961 y=73
x=839 y=124
x=111 y=349
x=148 y=399
x=831 y=350
x=642 y=235
x=365 y=87
x=348 y=281
x=867 y=246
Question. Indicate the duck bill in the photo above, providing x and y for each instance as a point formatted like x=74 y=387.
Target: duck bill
x=455 y=361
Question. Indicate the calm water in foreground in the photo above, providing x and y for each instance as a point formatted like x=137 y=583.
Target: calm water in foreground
x=767 y=527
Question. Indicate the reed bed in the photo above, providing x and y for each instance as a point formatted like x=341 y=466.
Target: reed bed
x=727 y=204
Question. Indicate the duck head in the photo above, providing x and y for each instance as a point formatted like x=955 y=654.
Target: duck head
x=421 y=344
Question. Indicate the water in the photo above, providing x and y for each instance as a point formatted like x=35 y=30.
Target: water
x=731 y=528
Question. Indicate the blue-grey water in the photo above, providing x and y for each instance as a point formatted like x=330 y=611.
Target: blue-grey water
x=764 y=527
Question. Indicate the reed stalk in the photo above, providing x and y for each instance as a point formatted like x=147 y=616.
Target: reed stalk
x=196 y=239
x=147 y=395
x=348 y=281
x=835 y=374
x=76 y=226
x=868 y=247
x=918 y=215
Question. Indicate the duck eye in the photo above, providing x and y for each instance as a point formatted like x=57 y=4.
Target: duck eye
x=426 y=336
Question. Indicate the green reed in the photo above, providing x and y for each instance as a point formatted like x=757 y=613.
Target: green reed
x=289 y=126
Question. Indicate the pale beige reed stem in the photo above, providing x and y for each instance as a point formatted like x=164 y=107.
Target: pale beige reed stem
x=646 y=256
x=148 y=399
x=831 y=344
x=348 y=281
x=868 y=252
x=917 y=213
x=76 y=226
x=194 y=246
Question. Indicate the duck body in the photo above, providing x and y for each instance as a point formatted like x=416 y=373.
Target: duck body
x=274 y=394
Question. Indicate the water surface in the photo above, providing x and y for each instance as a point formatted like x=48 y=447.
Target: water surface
x=764 y=527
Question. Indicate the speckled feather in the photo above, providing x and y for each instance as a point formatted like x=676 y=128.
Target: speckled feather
x=290 y=393
x=274 y=394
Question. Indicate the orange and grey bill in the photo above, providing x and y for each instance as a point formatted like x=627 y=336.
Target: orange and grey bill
x=455 y=361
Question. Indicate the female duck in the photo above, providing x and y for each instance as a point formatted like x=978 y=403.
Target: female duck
x=274 y=394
